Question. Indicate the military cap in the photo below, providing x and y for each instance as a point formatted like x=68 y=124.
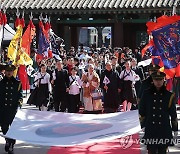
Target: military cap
x=153 y=67
x=10 y=67
x=158 y=75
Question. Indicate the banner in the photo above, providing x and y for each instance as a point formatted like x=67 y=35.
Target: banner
x=14 y=46
x=16 y=53
x=68 y=129
x=43 y=41
x=166 y=41
x=28 y=36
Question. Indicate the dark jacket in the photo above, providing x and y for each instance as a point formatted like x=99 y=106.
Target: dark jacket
x=138 y=71
x=117 y=69
x=155 y=110
x=146 y=84
x=111 y=96
x=60 y=84
x=10 y=98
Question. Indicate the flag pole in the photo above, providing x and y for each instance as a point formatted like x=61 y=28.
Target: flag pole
x=30 y=17
x=2 y=38
x=174 y=10
x=3 y=24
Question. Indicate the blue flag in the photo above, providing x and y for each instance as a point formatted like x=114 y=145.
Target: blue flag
x=167 y=41
x=43 y=44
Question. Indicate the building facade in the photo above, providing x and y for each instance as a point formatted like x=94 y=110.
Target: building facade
x=126 y=18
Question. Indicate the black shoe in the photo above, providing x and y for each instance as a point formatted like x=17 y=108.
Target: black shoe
x=11 y=149
x=7 y=145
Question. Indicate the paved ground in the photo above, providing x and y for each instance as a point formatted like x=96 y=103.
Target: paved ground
x=24 y=148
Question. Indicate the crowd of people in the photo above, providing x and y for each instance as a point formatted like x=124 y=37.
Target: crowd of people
x=88 y=79
x=99 y=81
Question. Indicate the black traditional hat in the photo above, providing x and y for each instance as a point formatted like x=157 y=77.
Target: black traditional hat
x=158 y=75
x=10 y=67
x=153 y=67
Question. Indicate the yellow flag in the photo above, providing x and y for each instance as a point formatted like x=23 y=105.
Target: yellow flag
x=14 y=45
x=16 y=53
x=24 y=58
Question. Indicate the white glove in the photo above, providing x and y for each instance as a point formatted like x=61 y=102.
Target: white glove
x=175 y=133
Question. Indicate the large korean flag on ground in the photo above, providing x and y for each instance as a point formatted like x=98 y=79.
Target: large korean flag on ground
x=68 y=129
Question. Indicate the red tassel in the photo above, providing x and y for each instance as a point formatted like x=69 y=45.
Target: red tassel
x=41 y=24
x=22 y=22
x=1 y=20
x=47 y=26
x=17 y=22
x=4 y=18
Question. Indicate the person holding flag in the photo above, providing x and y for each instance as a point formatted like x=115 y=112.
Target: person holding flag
x=109 y=82
x=106 y=81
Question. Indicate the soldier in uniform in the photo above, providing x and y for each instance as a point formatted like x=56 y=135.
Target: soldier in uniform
x=147 y=82
x=156 y=107
x=10 y=99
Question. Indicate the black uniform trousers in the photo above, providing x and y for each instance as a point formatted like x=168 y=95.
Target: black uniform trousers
x=157 y=150
x=60 y=102
x=5 y=128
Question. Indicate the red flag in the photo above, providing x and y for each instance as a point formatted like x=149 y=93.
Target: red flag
x=26 y=43
x=47 y=28
x=28 y=37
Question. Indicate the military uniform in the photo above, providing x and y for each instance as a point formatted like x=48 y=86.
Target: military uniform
x=147 y=82
x=10 y=98
x=155 y=109
x=144 y=86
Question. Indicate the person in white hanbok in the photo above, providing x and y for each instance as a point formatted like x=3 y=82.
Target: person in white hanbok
x=40 y=95
x=128 y=78
x=74 y=91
